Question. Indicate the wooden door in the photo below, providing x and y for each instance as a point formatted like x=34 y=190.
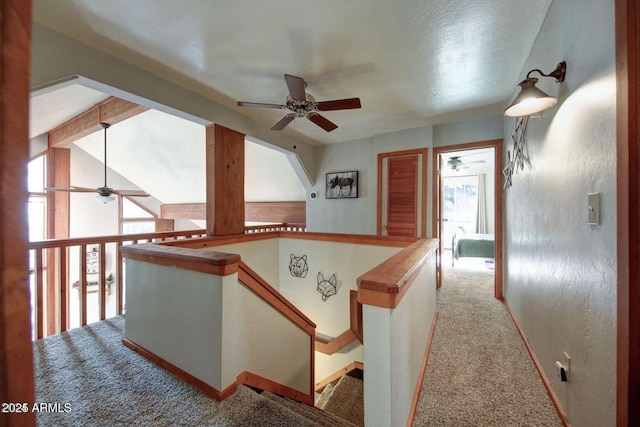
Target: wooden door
x=402 y=196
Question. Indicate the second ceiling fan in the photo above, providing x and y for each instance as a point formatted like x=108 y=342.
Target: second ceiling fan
x=301 y=104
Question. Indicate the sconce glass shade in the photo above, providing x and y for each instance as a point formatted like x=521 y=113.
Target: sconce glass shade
x=530 y=100
x=105 y=199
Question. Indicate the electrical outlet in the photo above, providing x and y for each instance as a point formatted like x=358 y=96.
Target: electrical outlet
x=567 y=361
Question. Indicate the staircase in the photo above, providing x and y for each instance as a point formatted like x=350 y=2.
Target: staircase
x=339 y=405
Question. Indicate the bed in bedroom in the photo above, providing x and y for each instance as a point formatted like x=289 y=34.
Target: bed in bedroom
x=472 y=245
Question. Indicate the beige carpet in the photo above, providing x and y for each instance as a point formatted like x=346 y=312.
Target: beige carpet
x=106 y=384
x=479 y=372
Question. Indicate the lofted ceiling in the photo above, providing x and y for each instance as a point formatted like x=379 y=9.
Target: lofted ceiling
x=412 y=63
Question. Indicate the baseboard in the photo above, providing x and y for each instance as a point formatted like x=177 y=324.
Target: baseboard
x=339 y=373
x=543 y=376
x=256 y=381
x=185 y=376
x=423 y=369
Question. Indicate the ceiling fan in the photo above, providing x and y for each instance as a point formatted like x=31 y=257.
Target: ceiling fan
x=105 y=193
x=301 y=104
x=456 y=164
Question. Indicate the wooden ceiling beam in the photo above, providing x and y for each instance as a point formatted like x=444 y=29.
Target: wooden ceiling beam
x=112 y=111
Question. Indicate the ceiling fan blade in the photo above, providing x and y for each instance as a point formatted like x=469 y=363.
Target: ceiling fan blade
x=296 y=87
x=72 y=189
x=131 y=193
x=322 y=122
x=284 y=122
x=260 y=105
x=339 y=104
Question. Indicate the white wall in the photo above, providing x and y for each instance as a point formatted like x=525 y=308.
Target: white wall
x=560 y=272
x=482 y=129
x=396 y=340
x=356 y=216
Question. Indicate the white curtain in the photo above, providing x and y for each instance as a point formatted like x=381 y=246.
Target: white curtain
x=481 y=216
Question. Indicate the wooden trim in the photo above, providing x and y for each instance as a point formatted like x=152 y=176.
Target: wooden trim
x=423 y=369
x=363 y=239
x=350 y=335
x=255 y=380
x=287 y=212
x=39 y=295
x=183 y=375
x=184 y=211
x=627 y=15
x=355 y=315
x=58 y=174
x=209 y=262
x=119 y=277
x=269 y=294
x=83 y=285
x=77 y=241
x=16 y=349
x=338 y=374
x=386 y=284
x=424 y=173
x=336 y=344
x=225 y=181
x=113 y=110
x=496 y=144
x=102 y=283
x=64 y=289
x=534 y=359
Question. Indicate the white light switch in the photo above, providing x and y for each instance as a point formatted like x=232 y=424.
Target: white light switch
x=594 y=208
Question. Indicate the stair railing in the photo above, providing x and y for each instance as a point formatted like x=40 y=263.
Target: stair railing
x=51 y=267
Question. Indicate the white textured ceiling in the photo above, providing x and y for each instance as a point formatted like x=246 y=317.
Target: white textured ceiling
x=412 y=63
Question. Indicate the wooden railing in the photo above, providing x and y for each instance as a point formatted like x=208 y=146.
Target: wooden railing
x=284 y=226
x=54 y=262
x=354 y=332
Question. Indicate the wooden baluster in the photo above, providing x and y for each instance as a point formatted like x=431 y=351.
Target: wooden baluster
x=39 y=289
x=83 y=285
x=119 y=287
x=102 y=281
x=64 y=290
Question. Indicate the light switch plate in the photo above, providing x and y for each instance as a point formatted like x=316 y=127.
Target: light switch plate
x=593 y=204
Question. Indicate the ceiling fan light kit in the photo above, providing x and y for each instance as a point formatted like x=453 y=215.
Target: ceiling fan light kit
x=301 y=104
x=528 y=102
x=105 y=193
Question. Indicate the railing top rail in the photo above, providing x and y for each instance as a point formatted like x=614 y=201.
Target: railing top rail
x=365 y=239
x=54 y=243
x=385 y=284
x=210 y=262
x=275 y=298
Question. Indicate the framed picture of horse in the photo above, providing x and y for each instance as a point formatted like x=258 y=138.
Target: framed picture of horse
x=342 y=185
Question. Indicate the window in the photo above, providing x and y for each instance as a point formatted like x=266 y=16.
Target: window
x=459 y=206
x=37 y=202
x=135 y=219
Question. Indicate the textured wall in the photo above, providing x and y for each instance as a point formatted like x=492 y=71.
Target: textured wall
x=561 y=272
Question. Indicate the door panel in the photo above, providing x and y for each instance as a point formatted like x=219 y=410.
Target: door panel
x=402 y=196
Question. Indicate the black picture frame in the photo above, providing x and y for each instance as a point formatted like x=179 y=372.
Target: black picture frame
x=342 y=185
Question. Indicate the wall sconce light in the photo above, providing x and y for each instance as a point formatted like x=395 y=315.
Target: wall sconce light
x=532 y=100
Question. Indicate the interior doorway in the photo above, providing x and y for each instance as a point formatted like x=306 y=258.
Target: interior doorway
x=467 y=204
x=402 y=196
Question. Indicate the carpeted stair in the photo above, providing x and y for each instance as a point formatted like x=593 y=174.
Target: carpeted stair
x=345 y=399
x=310 y=413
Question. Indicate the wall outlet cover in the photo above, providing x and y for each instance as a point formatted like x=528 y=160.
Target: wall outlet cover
x=593 y=204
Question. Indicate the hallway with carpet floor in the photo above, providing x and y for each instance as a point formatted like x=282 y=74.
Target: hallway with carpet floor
x=478 y=374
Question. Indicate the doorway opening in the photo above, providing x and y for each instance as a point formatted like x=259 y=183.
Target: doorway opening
x=467 y=207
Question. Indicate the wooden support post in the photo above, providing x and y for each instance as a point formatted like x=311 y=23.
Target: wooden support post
x=58 y=175
x=16 y=358
x=225 y=181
